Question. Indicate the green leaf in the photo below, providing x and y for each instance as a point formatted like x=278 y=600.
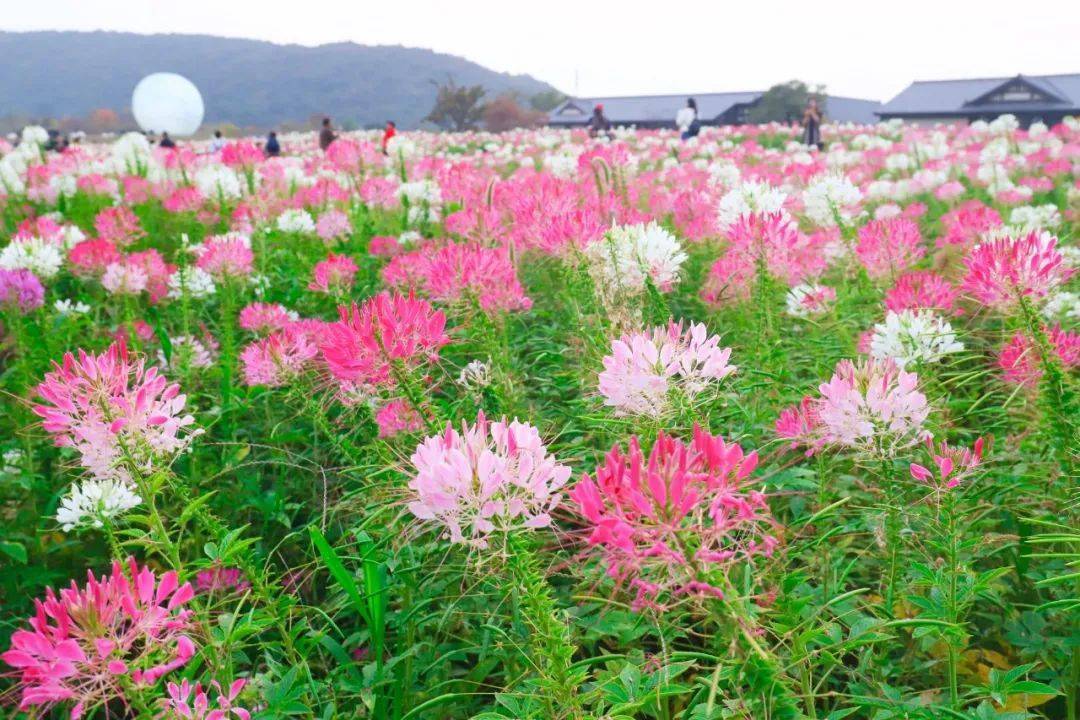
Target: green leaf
x=14 y=550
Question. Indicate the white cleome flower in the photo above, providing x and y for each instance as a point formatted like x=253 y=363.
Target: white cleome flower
x=1062 y=304
x=42 y=258
x=93 y=502
x=831 y=198
x=475 y=376
x=66 y=307
x=192 y=282
x=296 y=221
x=909 y=337
x=747 y=198
x=628 y=254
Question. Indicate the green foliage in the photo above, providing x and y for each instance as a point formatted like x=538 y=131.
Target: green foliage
x=457 y=107
x=785 y=102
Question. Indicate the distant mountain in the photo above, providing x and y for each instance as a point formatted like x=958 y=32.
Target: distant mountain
x=246 y=82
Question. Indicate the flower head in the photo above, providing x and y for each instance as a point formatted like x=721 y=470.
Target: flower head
x=1001 y=271
x=954 y=464
x=92 y=503
x=908 y=337
x=117 y=414
x=335 y=274
x=86 y=645
x=888 y=247
x=364 y=345
x=644 y=367
x=490 y=477
x=675 y=522
x=21 y=289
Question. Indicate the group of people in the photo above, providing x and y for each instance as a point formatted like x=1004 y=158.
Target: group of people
x=327 y=135
x=689 y=125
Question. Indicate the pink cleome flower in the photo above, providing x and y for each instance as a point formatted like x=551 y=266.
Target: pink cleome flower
x=643 y=367
x=93 y=257
x=1019 y=359
x=921 y=290
x=395 y=417
x=333 y=225
x=335 y=274
x=366 y=343
x=1002 y=271
x=190 y=702
x=114 y=412
x=887 y=247
x=966 y=225
x=225 y=257
x=118 y=225
x=86 y=645
x=261 y=318
x=490 y=477
x=676 y=522
x=276 y=359
x=461 y=272
x=954 y=464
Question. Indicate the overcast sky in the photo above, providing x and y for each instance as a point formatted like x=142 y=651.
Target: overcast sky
x=861 y=48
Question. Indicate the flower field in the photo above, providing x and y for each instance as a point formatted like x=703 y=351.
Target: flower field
x=533 y=425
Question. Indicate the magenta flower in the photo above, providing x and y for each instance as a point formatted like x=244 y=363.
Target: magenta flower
x=21 y=290
x=363 y=346
x=85 y=645
x=276 y=359
x=888 y=247
x=921 y=290
x=954 y=464
x=190 y=702
x=801 y=425
x=335 y=274
x=966 y=225
x=91 y=257
x=490 y=477
x=223 y=257
x=119 y=416
x=1001 y=271
x=1019 y=359
x=672 y=524
x=221 y=579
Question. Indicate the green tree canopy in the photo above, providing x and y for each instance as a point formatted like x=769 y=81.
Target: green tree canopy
x=785 y=102
x=457 y=107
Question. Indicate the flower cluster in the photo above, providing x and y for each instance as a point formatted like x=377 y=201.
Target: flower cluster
x=367 y=342
x=1002 y=271
x=491 y=477
x=87 y=645
x=121 y=417
x=674 y=523
x=644 y=368
x=913 y=337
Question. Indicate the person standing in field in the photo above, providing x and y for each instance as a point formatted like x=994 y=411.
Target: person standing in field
x=812 y=125
x=272 y=147
x=217 y=143
x=326 y=135
x=391 y=131
x=687 y=120
x=598 y=123
x=166 y=141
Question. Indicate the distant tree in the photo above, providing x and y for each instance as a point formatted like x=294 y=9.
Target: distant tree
x=457 y=107
x=506 y=113
x=546 y=101
x=785 y=102
x=102 y=120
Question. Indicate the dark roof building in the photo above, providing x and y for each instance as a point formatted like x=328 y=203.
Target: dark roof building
x=656 y=111
x=1048 y=98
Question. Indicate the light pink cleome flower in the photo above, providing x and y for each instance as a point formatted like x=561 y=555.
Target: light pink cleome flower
x=644 y=367
x=111 y=409
x=490 y=477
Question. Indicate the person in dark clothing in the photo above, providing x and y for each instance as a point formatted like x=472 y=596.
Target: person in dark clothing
x=687 y=120
x=391 y=131
x=272 y=147
x=812 y=125
x=326 y=135
x=598 y=123
x=166 y=141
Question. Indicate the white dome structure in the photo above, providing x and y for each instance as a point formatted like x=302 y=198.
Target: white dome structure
x=167 y=102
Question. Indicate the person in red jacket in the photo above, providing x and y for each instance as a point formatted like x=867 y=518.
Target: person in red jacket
x=391 y=131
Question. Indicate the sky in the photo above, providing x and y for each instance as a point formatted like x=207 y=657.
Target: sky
x=863 y=48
